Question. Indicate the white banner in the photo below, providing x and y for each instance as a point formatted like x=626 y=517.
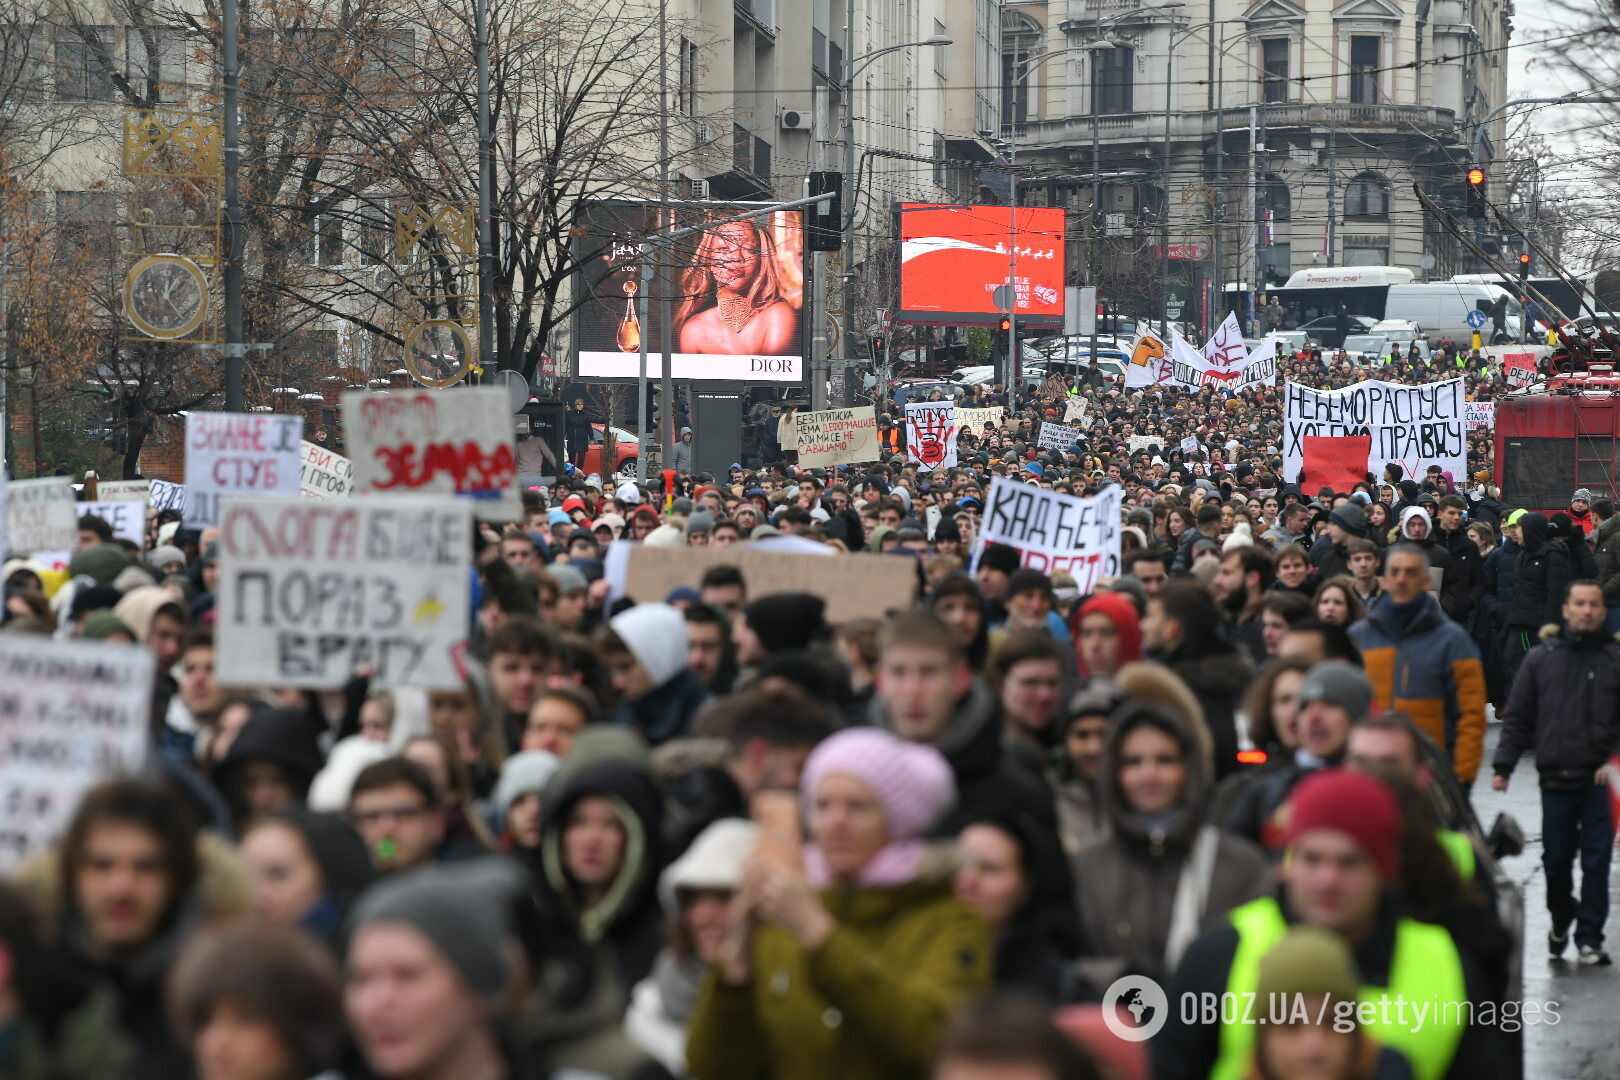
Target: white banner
x=931 y=434
x=436 y=442
x=980 y=419
x=1149 y=363
x=238 y=453
x=1480 y=414
x=313 y=591
x=322 y=473
x=1225 y=350
x=1054 y=531
x=1412 y=426
x=1191 y=369
x=123 y=490
x=1074 y=410
x=1145 y=442
x=128 y=519
x=836 y=437
x=41 y=515
x=1057 y=437
x=72 y=713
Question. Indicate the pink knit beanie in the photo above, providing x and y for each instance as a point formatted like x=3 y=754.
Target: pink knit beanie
x=912 y=781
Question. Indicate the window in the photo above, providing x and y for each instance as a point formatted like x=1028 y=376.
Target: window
x=940 y=168
x=24 y=60
x=1274 y=70
x=323 y=240
x=83 y=232
x=939 y=53
x=156 y=55
x=1367 y=196
x=84 y=59
x=1014 y=87
x=1364 y=69
x=374 y=236
x=1275 y=263
x=1366 y=256
x=389 y=55
x=1111 y=78
x=686 y=79
x=1272 y=201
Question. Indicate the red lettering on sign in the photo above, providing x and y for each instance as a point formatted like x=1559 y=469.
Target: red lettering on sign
x=473 y=470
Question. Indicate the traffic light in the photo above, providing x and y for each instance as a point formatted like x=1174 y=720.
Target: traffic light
x=1524 y=264
x=1006 y=324
x=824 y=221
x=875 y=344
x=1476 y=192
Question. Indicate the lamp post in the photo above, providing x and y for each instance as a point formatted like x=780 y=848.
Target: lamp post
x=851 y=68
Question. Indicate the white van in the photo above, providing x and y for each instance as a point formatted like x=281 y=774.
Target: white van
x=1440 y=309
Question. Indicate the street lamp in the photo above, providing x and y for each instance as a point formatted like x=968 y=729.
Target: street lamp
x=851 y=68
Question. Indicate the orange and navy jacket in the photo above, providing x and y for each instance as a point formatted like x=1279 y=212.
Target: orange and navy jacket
x=1429 y=670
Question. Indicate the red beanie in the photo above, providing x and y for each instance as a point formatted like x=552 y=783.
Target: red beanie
x=1355 y=803
x=1122 y=613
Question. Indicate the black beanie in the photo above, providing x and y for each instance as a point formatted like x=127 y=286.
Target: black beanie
x=786 y=620
x=1000 y=557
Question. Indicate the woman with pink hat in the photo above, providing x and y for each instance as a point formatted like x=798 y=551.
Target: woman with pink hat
x=846 y=959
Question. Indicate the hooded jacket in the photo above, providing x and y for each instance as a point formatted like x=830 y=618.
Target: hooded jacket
x=1544 y=571
x=1464 y=580
x=1607 y=541
x=283 y=737
x=1563 y=707
x=868 y=1005
x=1129 y=876
x=1428 y=668
x=1432 y=549
x=1218 y=675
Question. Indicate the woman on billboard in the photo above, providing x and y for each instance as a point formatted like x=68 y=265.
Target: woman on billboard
x=740 y=293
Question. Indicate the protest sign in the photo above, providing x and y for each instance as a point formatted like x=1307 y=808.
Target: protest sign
x=1074 y=410
x=1053 y=531
x=72 y=713
x=1191 y=370
x=128 y=519
x=1225 y=350
x=931 y=434
x=1189 y=445
x=1412 y=426
x=167 y=496
x=1149 y=363
x=1480 y=414
x=1058 y=437
x=1145 y=442
x=238 y=453
x=322 y=473
x=1519 y=368
x=837 y=437
x=853 y=586
x=312 y=591
x=436 y=442
x=980 y=419
x=123 y=490
x=41 y=516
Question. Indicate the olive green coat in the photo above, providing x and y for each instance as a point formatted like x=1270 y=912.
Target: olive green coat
x=870 y=1003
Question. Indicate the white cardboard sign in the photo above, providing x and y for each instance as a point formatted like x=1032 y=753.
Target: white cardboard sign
x=238 y=453
x=436 y=442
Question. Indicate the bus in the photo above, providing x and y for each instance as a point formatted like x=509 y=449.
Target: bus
x=1317 y=293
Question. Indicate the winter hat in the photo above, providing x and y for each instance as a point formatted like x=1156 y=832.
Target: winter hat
x=628 y=492
x=1581 y=495
x=1337 y=683
x=102 y=624
x=329 y=791
x=1309 y=961
x=523 y=773
x=1241 y=538
x=1355 y=803
x=1513 y=518
x=568 y=578
x=912 y=781
x=90 y=598
x=1029 y=579
x=665 y=536
x=572 y=503
x=1350 y=517
x=714 y=861
x=99 y=562
x=786 y=620
x=166 y=531
x=656 y=636
x=557 y=517
x=166 y=556
x=465 y=910
x=1000 y=557
x=701 y=521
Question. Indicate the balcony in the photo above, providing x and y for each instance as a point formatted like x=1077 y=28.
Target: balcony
x=749 y=153
x=1148 y=127
x=1343 y=114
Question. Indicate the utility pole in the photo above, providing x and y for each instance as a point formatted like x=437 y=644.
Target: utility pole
x=1333 y=188
x=486 y=164
x=1251 y=246
x=234 y=349
x=666 y=332
x=1094 y=271
x=847 y=226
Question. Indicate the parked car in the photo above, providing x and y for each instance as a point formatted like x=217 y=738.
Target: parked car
x=906 y=390
x=1325 y=331
x=627 y=447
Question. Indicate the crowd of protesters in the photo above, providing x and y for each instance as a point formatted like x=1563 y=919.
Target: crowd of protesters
x=712 y=834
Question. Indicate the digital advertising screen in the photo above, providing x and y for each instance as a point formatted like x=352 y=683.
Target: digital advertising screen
x=736 y=292
x=953 y=257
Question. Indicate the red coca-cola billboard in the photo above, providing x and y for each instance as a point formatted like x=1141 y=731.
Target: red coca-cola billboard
x=953 y=257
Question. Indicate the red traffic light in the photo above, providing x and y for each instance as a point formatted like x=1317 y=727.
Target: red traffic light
x=1476 y=177
x=1006 y=324
x=1524 y=259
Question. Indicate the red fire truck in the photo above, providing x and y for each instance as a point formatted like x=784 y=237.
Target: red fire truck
x=1559 y=435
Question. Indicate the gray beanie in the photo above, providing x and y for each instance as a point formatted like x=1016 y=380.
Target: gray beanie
x=523 y=773
x=1350 y=517
x=1581 y=495
x=569 y=579
x=701 y=521
x=1337 y=683
x=465 y=910
x=166 y=555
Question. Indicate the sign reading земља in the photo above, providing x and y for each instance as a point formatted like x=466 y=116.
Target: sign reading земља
x=436 y=442
x=314 y=591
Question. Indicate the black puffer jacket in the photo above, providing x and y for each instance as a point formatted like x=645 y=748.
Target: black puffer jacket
x=1464 y=581
x=1545 y=570
x=1218 y=675
x=1563 y=706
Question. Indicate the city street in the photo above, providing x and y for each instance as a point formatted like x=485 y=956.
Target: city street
x=1585 y=1041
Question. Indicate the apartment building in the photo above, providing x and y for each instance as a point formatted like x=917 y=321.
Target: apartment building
x=1242 y=140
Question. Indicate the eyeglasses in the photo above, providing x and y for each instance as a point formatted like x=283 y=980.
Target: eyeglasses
x=396 y=813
